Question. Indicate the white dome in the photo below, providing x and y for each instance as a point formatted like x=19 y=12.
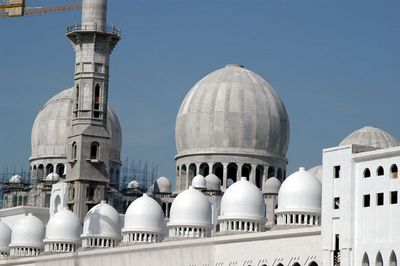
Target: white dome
x=52 y=177
x=213 y=183
x=370 y=136
x=162 y=185
x=199 y=182
x=133 y=184
x=52 y=125
x=28 y=232
x=207 y=121
x=190 y=208
x=16 y=179
x=300 y=192
x=316 y=171
x=64 y=226
x=102 y=221
x=5 y=237
x=244 y=201
x=144 y=215
x=272 y=185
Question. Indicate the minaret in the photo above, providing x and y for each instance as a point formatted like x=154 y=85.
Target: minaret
x=88 y=141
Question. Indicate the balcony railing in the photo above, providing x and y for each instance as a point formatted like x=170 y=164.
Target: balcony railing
x=104 y=29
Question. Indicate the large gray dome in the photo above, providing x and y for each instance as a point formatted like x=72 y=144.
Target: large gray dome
x=52 y=126
x=232 y=110
x=370 y=136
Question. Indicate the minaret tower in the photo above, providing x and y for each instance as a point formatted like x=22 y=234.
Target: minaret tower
x=88 y=152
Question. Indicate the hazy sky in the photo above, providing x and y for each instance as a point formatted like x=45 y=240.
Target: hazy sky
x=335 y=65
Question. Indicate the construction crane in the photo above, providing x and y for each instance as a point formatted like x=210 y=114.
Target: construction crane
x=17 y=8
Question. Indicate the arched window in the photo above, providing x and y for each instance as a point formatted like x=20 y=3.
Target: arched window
x=379 y=260
x=313 y=263
x=365 y=260
x=60 y=168
x=296 y=264
x=96 y=105
x=218 y=170
x=246 y=169
x=279 y=174
x=280 y=264
x=40 y=171
x=367 y=173
x=49 y=169
x=393 y=171
x=393 y=259
x=271 y=172
x=183 y=177
x=76 y=101
x=20 y=201
x=192 y=173
x=94 y=150
x=204 y=169
x=232 y=172
x=74 y=150
x=380 y=171
x=259 y=176
x=14 y=201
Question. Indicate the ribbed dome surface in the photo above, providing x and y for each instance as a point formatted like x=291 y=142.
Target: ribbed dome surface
x=102 y=221
x=52 y=124
x=213 y=183
x=28 y=232
x=243 y=200
x=232 y=110
x=199 y=182
x=144 y=215
x=300 y=192
x=190 y=208
x=272 y=185
x=64 y=226
x=5 y=237
x=162 y=185
x=370 y=136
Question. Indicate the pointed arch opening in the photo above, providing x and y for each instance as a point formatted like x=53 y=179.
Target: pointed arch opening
x=296 y=264
x=192 y=173
x=279 y=174
x=365 y=260
x=379 y=259
x=393 y=259
x=74 y=150
x=313 y=263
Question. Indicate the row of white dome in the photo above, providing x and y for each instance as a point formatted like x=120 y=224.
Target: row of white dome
x=17 y=179
x=242 y=210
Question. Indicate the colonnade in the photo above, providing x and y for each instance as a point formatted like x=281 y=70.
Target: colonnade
x=298 y=219
x=141 y=237
x=255 y=173
x=241 y=226
x=181 y=231
x=59 y=247
x=23 y=251
x=88 y=242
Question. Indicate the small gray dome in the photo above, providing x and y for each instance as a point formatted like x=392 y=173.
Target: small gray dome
x=52 y=126
x=272 y=185
x=232 y=110
x=370 y=136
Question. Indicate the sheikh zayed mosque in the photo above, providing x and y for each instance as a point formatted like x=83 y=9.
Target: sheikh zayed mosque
x=233 y=204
